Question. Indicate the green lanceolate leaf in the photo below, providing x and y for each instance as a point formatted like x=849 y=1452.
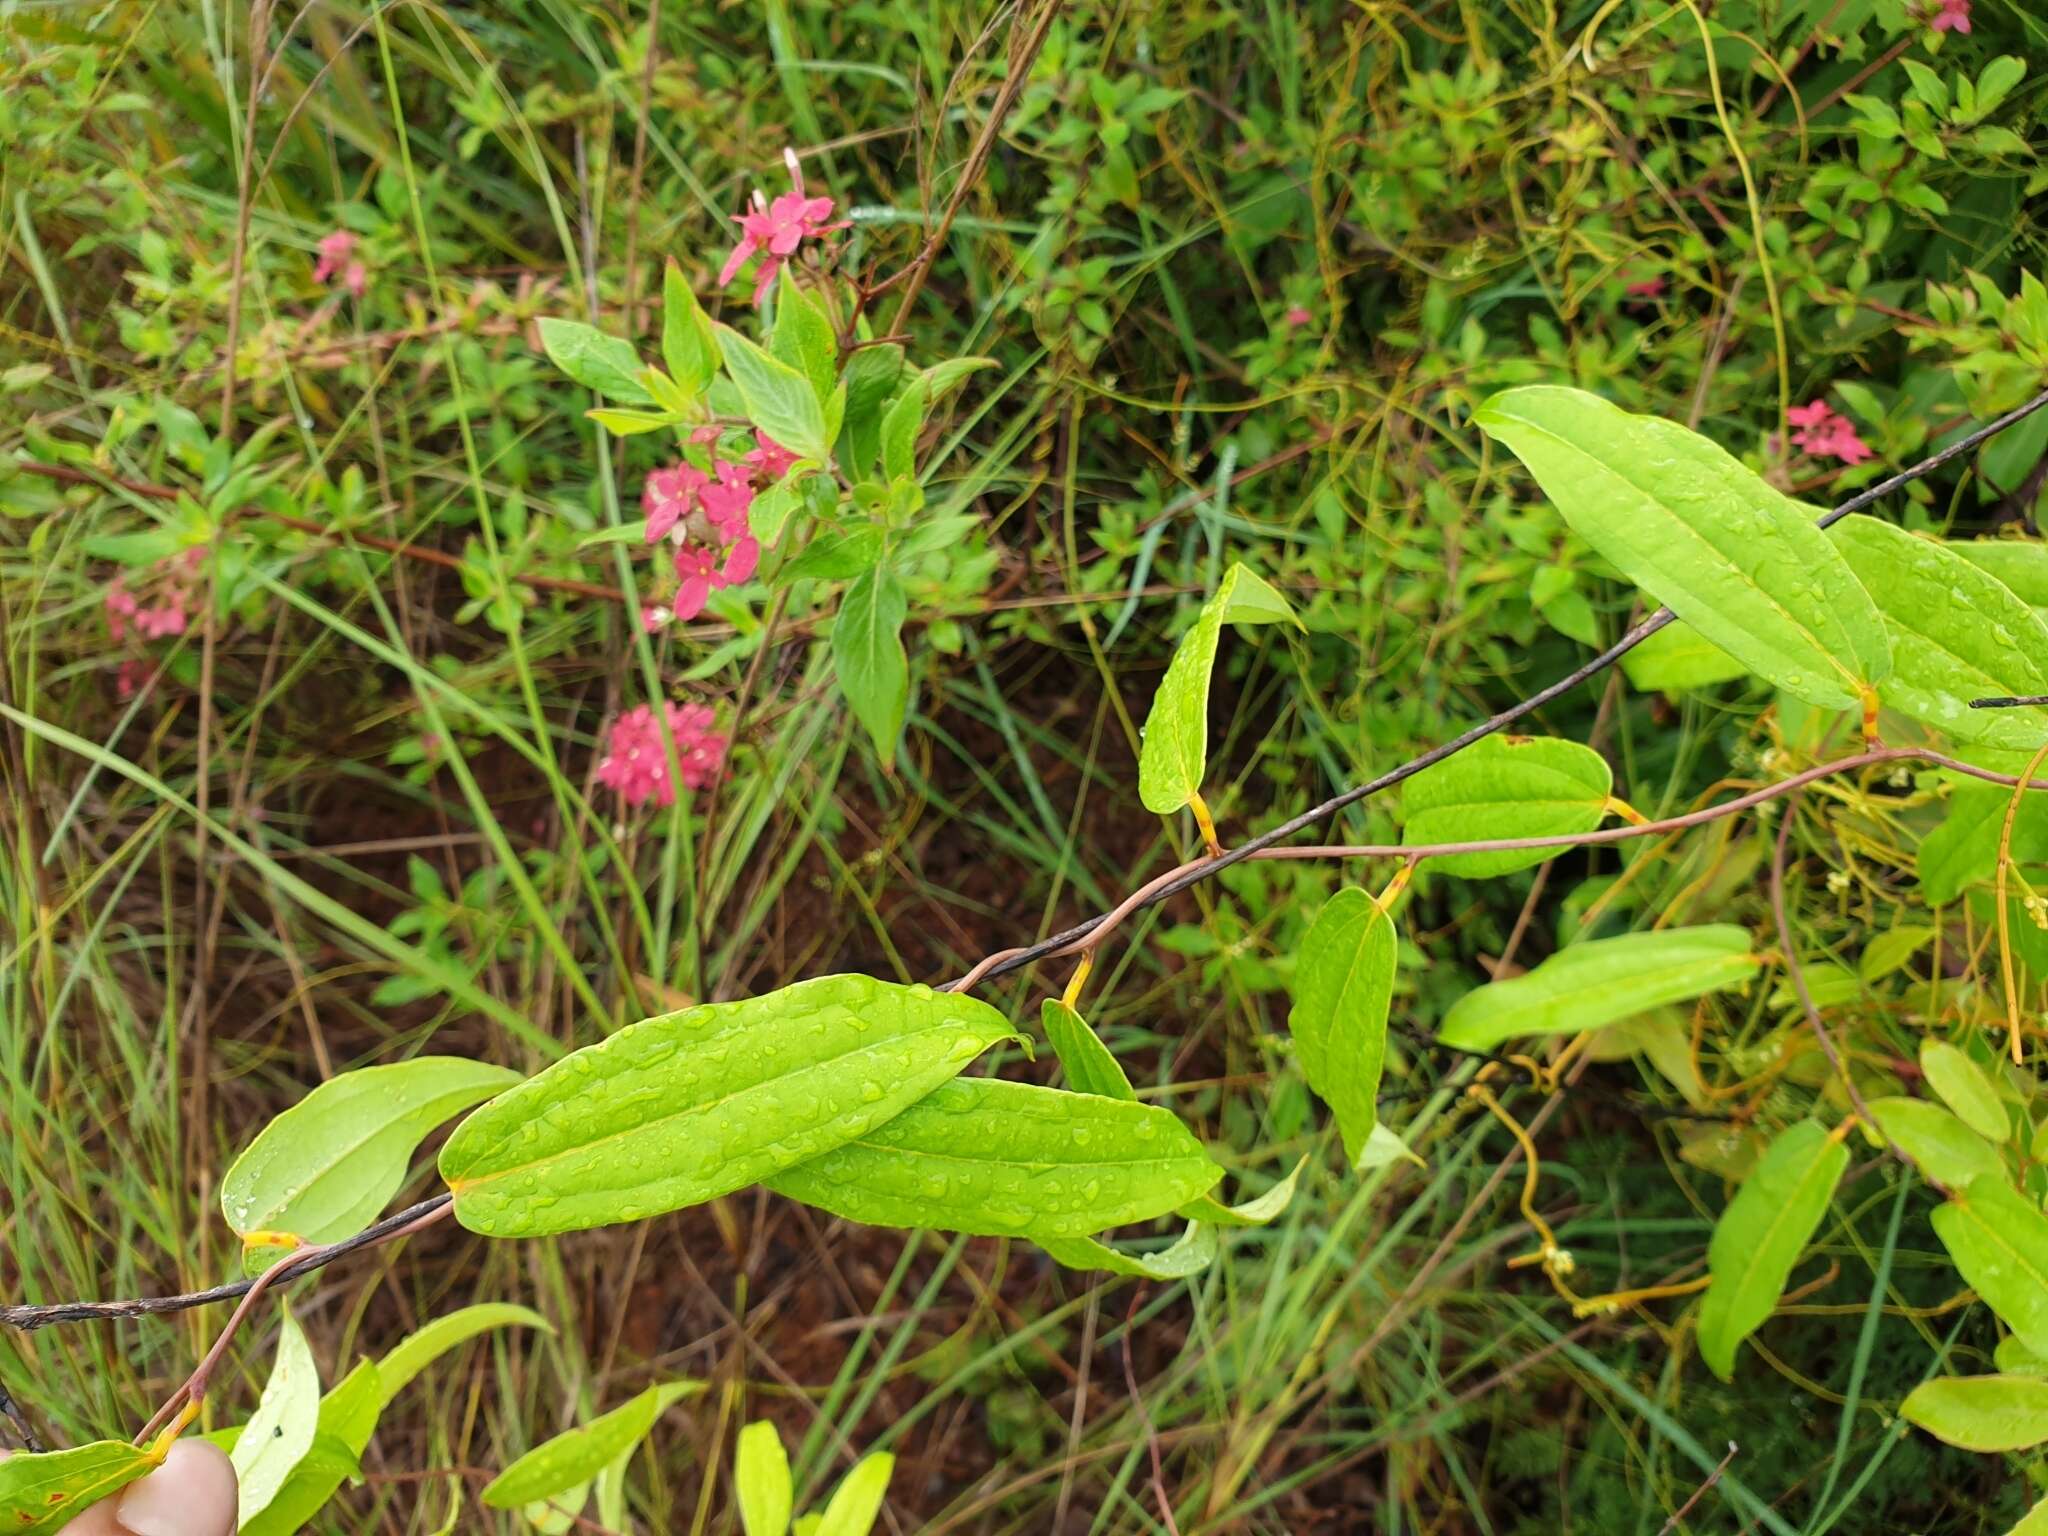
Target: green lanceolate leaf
x=1343 y=986
x=778 y=399
x=1733 y=556
x=1963 y=1086
x=1600 y=981
x=1175 y=752
x=1004 y=1159
x=1981 y=1413
x=1089 y=1066
x=1999 y=1241
x=1256 y=1212
x=693 y=1105
x=871 y=375
x=900 y=426
x=857 y=1501
x=1191 y=1253
x=1761 y=1235
x=1678 y=658
x=1963 y=850
x=605 y=365
x=1505 y=787
x=867 y=654
x=425 y=1345
x=576 y=1456
x=39 y=1494
x=760 y=1477
x=804 y=338
x=1940 y=1145
x=689 y=346
x=281 y=1430
x=1957 y=634
x=325 y=1167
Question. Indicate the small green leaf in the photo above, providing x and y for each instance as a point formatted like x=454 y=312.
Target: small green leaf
x=1963 y=1087
x=40 y=1494
x=2013 y=1358
x=1194 y=1251
x=623 y=423
x=1761 y=1235
x=870 y=380
x=834 y=556
x=1343 y=987
x=804 y=338
x=604 y=365
x=692 y=1105
x=1256 y=1212
x=1175 y=752
x=995 y=1158
x=328 y=1463
x=1089 y=1066
x=1734 y=557
x=1382 y=1147
x=576 y=1456
x=688 y=344
x=900 y=426
x=1963 y=850
x=1943 y=1148
x=1957 y=634
x=858 y=1499
x=325 y=1167
x=778 y=399
x=1504 y=787
x=867 y=654
x=1981 y=1413
x=760 y=1475
x=943 y=378
x=427 y=1344
x=1999 y=1241
x=1678 y=658
x=1600 y=981
x=280 y=1431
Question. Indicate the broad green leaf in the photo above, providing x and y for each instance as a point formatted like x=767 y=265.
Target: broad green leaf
x=1999 y=1241
x=1505 y=787
x=605 y=365
x=870 y=379
x=1734 y=557
x=576 y=1456
x=804 y=338
x=281 y=1429
x=427 y=1344
x=760 y=1476
x=1003 y=1159
x=1192 y=1252
x=1963 y=850
x=1600 y=981
x=900 y=426
x=1677 y=658
x=328 y=1463
x=1343 y=987
x=1256 y=1212
x=1962 y=1086
x=857 y=1500
x=327 y=1166
x=41 y=1493
x=2033 y=1523
x=2020 y=564
x=1175 y=752
x=1089 y=1066
x=692 y=1105
x=1957 y=634
x=688 y=344
x=1981 y=1413
x=1761 y=1235
x=867 y=653
x=1943 y=1148
x=778 y=399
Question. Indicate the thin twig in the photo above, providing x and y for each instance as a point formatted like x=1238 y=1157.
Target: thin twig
x=1678 y=1515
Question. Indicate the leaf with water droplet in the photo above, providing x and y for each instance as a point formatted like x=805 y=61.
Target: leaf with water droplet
x=1599 y=981
x=1505 y=787
x=997 y=1145
x=1957 y=634
x=1175 y=752
x=1730 y=554
x=325 y=1167
x=740 y=1091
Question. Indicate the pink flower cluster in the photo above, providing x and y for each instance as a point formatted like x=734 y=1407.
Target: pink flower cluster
x=1646 y=288
x=777 y=229
x=635 y=762
x=156 y=622
x=338 y=259
x=1951 y=16
x=1822 y=432
x=706 y=516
